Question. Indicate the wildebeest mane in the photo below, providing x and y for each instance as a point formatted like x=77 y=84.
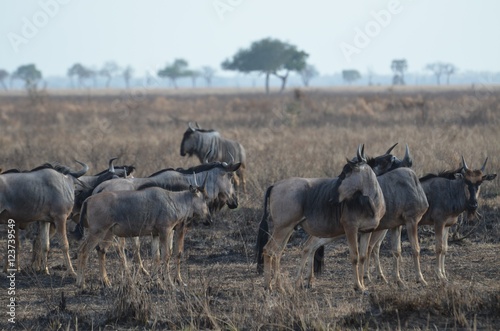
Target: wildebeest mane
x=86 y=191
x=174 y=185
x=447 y=174
x=128 y=168
x=189 y=171
x=57 y=167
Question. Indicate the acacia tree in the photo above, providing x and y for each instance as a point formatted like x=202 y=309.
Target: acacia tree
x=109 y=70
x=350 y=75
x=3 y=75
x=174 y=71
x=399 y=66
x=81 y=72
x=269 y=57
x=127 y=75
x=308 y=73
x=439 y=69
x=207 y=73
x=29 y=74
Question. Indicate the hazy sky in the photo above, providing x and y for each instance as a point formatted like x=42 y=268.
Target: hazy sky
x=54 y=34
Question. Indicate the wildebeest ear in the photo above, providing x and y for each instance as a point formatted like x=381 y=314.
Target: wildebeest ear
x=233 y=167
x=459 y=175
x=193 y=189
x=489 y=176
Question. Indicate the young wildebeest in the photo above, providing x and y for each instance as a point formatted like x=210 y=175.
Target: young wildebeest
x=323 y=207
x=44 y=194
x=218 y=178
x=150 y=211
x=405 y=203
x=209 y=146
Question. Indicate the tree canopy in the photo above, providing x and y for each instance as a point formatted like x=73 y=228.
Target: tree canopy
x=175 y=70
x=269 y=57
x=399 y=66
x=3 y=75
x=350 y=75
x=81 y=72
x=29 y=74
x=439 y=69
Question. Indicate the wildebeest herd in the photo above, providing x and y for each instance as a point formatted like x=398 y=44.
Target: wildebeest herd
x=369 y=197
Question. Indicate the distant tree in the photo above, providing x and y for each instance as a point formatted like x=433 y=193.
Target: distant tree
x=370 y=73
x=399 y=66
x=207 y=73
x=269 y=57
x=29 y=74
x=450 y=69
x=350 y=75
x=174 y=71
x=109 y=70
x=438 y=69
x=127 y=75
x=308 y=73
x=81 y=72
x=3 y=75
x=194 y=75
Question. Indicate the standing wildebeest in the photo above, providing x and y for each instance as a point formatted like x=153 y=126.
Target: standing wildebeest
x=323 y=207
x=405 y=203
x=150 y=211
x=449 y=194
x=218 y=178
x=209 y=146
x=44 y=194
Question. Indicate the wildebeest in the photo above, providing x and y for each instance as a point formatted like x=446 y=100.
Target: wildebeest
x=44 y=194
x=450 y=193
x=218 y=178
x=210 y=146
x=405 y=203
x=150 y=211
x=323 y=207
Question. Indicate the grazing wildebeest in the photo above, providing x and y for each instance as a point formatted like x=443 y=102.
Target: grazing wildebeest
x=323 y=207
x=150 y=211
x=210 y=146
x=219 y=187
x=44 y=194
x=449 y=194
x=406 y=203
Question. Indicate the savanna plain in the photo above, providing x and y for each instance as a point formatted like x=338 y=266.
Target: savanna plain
x=302 y=133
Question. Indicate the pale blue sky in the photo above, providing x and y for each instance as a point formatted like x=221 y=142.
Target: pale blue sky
x=147 y=34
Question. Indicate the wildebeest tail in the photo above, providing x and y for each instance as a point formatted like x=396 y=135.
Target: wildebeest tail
x=83 y=215
x=319 y=261
x=263 y=234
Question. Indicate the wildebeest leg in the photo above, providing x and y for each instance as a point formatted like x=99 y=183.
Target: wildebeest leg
x=352 y=241
x=363 y=250
x=376 y=252
x=87 y=245
x=307 y=261
x=411 y=228
x=241 y=175
x=137 y=255
x=120 y=249
x=445 y=250
x=396 y=253
x=41 y=246
x=439 y=232
x=166 y=252
x=374 y=249
x=101 y=253
x=180 y=233
x=272 y=252
x=61 y=230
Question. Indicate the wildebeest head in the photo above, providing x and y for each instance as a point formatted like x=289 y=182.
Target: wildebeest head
x=388 y=162
x=200 y=206
x=473 y=180
x=226 y=184
x=357 y=176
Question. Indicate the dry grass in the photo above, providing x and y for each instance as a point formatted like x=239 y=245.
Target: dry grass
x=307 y=133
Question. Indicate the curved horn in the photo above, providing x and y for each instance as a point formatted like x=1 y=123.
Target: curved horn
x=111 y=168
x=359 y=153
x=484 y=165
x=390 y=149
x=82 y=172
x=232 y=157
x=407 y=158
x=191 y=127
x=197 y=126
x=464 y=165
